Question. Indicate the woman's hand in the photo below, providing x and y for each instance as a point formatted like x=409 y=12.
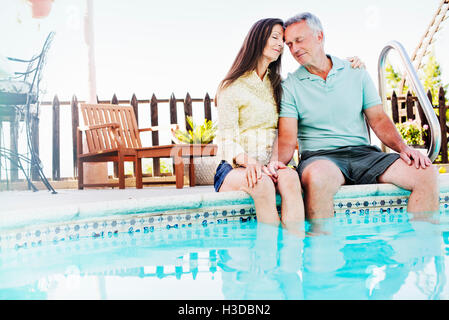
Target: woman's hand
x=356 y=63
x=253 y=169
x=253 y=173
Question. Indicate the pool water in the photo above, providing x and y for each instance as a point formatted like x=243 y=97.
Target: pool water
x=400 y=256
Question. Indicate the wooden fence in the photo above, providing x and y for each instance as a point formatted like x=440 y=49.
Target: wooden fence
x=403 y=108
x=151 y=110
x=407 y=107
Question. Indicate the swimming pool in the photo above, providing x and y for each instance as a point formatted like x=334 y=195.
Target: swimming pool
x=383 y=255
x=207 y=245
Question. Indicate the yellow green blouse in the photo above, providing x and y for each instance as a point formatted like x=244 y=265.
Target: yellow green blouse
x=247 y=119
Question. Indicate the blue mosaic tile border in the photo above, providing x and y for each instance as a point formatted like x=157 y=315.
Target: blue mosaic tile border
x=348 y=211
x=144 y=223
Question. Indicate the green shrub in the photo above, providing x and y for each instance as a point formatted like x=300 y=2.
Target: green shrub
x=202 y=134
x=411 y=132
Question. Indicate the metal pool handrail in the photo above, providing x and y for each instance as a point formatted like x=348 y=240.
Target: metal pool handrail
x=435 y=130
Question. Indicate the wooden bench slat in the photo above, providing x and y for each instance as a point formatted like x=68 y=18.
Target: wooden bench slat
x=95 y=137
x=99 y=131
x=110 y=116
x=89 y=140
x=104 y=131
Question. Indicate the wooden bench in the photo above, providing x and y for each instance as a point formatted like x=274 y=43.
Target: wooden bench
x=112 y=134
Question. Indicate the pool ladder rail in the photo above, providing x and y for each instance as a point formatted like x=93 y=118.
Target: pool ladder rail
x=412 y=77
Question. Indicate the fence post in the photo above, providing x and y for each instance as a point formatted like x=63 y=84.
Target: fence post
x=188 y=110
x=75 y=125
x=173 y=111
x=424 y=122
x=207 y=109
x=35 y=143
x=173 y=117
x=429 y=96
x=14 y=143
x=56 y=159
x=394 y=107
x=409 y=104
x=135 y=104
x=114 y=99
x=442 y=118
x=155 y=134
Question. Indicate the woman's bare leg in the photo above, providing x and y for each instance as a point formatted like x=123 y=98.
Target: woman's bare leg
x=289 y=187
x=292 y=208
x=263 y=194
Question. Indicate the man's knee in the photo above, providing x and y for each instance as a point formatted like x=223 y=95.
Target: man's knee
x=426 y=178
x=322 y=175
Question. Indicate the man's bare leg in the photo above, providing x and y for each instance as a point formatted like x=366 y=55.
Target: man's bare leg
x=321 y=181
x=423 y=183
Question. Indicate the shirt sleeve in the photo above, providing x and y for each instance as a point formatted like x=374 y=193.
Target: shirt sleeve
x=228 y=126
x=371 y=97
x=288 y=109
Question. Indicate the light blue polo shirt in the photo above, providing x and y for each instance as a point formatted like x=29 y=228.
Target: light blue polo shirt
x=329 y=113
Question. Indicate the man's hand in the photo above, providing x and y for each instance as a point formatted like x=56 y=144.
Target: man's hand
x=412 y=156
x=272 y=168
x=386 y=131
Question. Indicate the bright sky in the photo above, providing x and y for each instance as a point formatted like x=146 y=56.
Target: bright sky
x=161 y=47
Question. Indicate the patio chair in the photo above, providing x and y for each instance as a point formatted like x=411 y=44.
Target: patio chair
x=19 y=101
x=112 y=134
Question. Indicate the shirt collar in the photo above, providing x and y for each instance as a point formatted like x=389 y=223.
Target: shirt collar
x=255 y=77
x=337 y=64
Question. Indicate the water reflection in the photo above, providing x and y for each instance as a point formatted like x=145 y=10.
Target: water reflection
x=401 y=256
x=269 y=269
x=400 y=260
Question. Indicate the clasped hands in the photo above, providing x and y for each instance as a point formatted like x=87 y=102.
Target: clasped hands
x=254 y=172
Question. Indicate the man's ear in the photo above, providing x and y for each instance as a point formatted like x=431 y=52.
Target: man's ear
x=320 y=36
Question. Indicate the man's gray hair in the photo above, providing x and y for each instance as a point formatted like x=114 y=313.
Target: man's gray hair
x=312 y=20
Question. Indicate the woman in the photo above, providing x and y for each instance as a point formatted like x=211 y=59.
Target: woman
x=248 y=101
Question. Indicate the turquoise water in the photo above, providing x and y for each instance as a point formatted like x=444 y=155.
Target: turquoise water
x=396 y=257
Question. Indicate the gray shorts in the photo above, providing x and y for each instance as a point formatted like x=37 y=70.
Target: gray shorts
x=359 y=164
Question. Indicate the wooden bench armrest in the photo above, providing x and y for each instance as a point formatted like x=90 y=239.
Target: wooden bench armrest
x=99 y=126
x=157 y=128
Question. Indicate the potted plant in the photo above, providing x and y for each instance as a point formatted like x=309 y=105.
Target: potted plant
x=40 y=8
x=413 y=133
x=199 y=134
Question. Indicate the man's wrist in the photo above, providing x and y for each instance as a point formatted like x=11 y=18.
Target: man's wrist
x=402 y=147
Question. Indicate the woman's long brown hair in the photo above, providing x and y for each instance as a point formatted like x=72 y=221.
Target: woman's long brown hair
x=250 y=53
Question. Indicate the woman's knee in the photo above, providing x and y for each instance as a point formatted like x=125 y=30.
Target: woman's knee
x=288 y=180
x=263 y=188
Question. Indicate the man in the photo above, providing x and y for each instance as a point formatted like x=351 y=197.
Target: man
x=323 y=108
